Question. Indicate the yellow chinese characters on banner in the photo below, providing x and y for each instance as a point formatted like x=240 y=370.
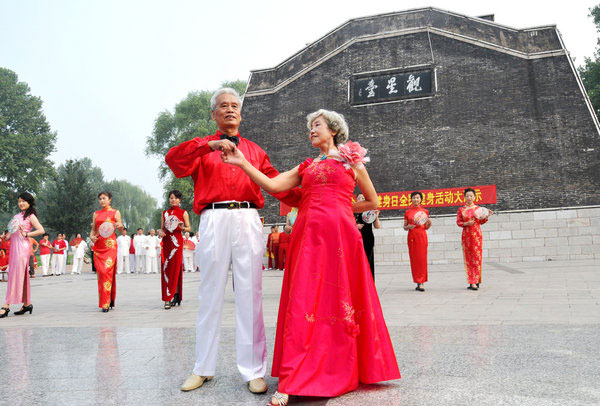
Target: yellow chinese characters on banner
x=437 y=197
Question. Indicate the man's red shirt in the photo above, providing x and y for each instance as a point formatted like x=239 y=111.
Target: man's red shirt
x=216 y=181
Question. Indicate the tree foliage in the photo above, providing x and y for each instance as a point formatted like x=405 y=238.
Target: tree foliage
x=191 y=118
x=136 y=206
x=590 y=71
x=68 y=198
x=25 y=138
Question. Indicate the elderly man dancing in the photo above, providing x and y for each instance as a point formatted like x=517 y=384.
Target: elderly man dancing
x=231 y=234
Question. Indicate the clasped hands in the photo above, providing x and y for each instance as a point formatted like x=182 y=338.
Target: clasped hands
x=230 y=154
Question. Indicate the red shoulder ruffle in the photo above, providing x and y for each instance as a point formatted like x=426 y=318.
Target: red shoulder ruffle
x=304 y=165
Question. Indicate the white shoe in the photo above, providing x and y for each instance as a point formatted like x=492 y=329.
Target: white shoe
x=194 y=381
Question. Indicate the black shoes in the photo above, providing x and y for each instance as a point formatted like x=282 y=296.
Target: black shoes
x=176 y=300
x=24 y=310
x=420 y=288
x=5 y=311
x=167 y=305
x=473 y=287
x=105 y=310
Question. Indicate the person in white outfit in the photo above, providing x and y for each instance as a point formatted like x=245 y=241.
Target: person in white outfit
x=194 y=239
x=45 y=251
x=158 y=252
x=230 y=232
x=150 y=249
x=57 y=262
x=66 y=257
x=78 y=253
x=123 y=244
x=188 y=253
x=139 y=242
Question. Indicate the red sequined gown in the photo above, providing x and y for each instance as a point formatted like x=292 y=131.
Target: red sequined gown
x=331 y=334
x=105 y=259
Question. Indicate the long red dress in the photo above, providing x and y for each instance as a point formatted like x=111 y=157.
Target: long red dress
x=105 y=258
x=472 y=242
x=331 y=334
x=172 y=259
x=417 y=245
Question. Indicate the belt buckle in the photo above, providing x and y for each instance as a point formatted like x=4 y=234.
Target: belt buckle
x=232 y=205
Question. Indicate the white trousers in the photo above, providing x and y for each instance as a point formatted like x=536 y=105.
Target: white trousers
x=188 y=260
x=140 y=263
x=77 y=265
x=45 y=263
x=122 y=263
x=151 y=264
x=231 y=237
x=57 y=264
x=132 y=263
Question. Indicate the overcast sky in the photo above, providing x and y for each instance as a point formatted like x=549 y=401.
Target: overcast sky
x=105 y=69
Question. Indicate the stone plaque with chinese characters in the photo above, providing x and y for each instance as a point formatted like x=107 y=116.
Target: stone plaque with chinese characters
x=385 y=87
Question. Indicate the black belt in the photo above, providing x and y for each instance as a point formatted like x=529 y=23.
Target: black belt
x=232 y=205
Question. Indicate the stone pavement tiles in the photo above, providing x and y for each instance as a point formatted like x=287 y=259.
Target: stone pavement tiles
x=530 y=336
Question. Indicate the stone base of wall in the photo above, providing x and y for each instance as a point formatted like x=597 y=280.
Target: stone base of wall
x=548 y=235
x=541 y=235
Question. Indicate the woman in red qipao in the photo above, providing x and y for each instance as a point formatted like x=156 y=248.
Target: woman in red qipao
x=417 y=221
x=172 y=223
x=331 y=334
x=472 y=240
x=104 y=224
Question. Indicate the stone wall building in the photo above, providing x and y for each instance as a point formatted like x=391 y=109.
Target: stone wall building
x=494 y=105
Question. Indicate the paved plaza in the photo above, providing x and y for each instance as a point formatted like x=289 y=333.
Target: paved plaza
x=529 y=336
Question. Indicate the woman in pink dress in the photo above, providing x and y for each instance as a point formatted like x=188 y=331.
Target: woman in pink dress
x=331 y=334
x=20 y=227
x=472 y=239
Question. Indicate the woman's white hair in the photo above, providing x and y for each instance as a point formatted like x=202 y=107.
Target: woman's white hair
x=223 y=90
x=335 y=122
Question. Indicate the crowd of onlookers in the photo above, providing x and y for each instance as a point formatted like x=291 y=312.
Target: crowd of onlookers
x=138 y=253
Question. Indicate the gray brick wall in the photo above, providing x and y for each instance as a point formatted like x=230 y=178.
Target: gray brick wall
x=521 y=124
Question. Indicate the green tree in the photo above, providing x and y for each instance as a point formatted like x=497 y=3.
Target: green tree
x=136 y=206
x=25 y=138
x=191 y=118
x=69 y=198
x=590 y=71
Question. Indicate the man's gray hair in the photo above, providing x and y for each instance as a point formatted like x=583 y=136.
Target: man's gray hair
x=223 y=90
x=335 y=122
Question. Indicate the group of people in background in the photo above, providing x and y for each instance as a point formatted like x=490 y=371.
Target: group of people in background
x=331 y=333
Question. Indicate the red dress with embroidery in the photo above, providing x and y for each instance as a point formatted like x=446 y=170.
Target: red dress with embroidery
x=417 y=245
x=105 y=257
x=172 y=257
x=472 y=242
x=331 y=334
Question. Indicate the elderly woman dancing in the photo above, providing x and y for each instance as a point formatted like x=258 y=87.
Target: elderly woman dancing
x=331 y=334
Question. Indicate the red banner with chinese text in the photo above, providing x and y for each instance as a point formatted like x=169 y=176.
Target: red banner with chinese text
x=437 y=197
x=485 y=194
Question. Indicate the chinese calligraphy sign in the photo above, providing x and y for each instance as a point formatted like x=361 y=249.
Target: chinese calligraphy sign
x=384 y=87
